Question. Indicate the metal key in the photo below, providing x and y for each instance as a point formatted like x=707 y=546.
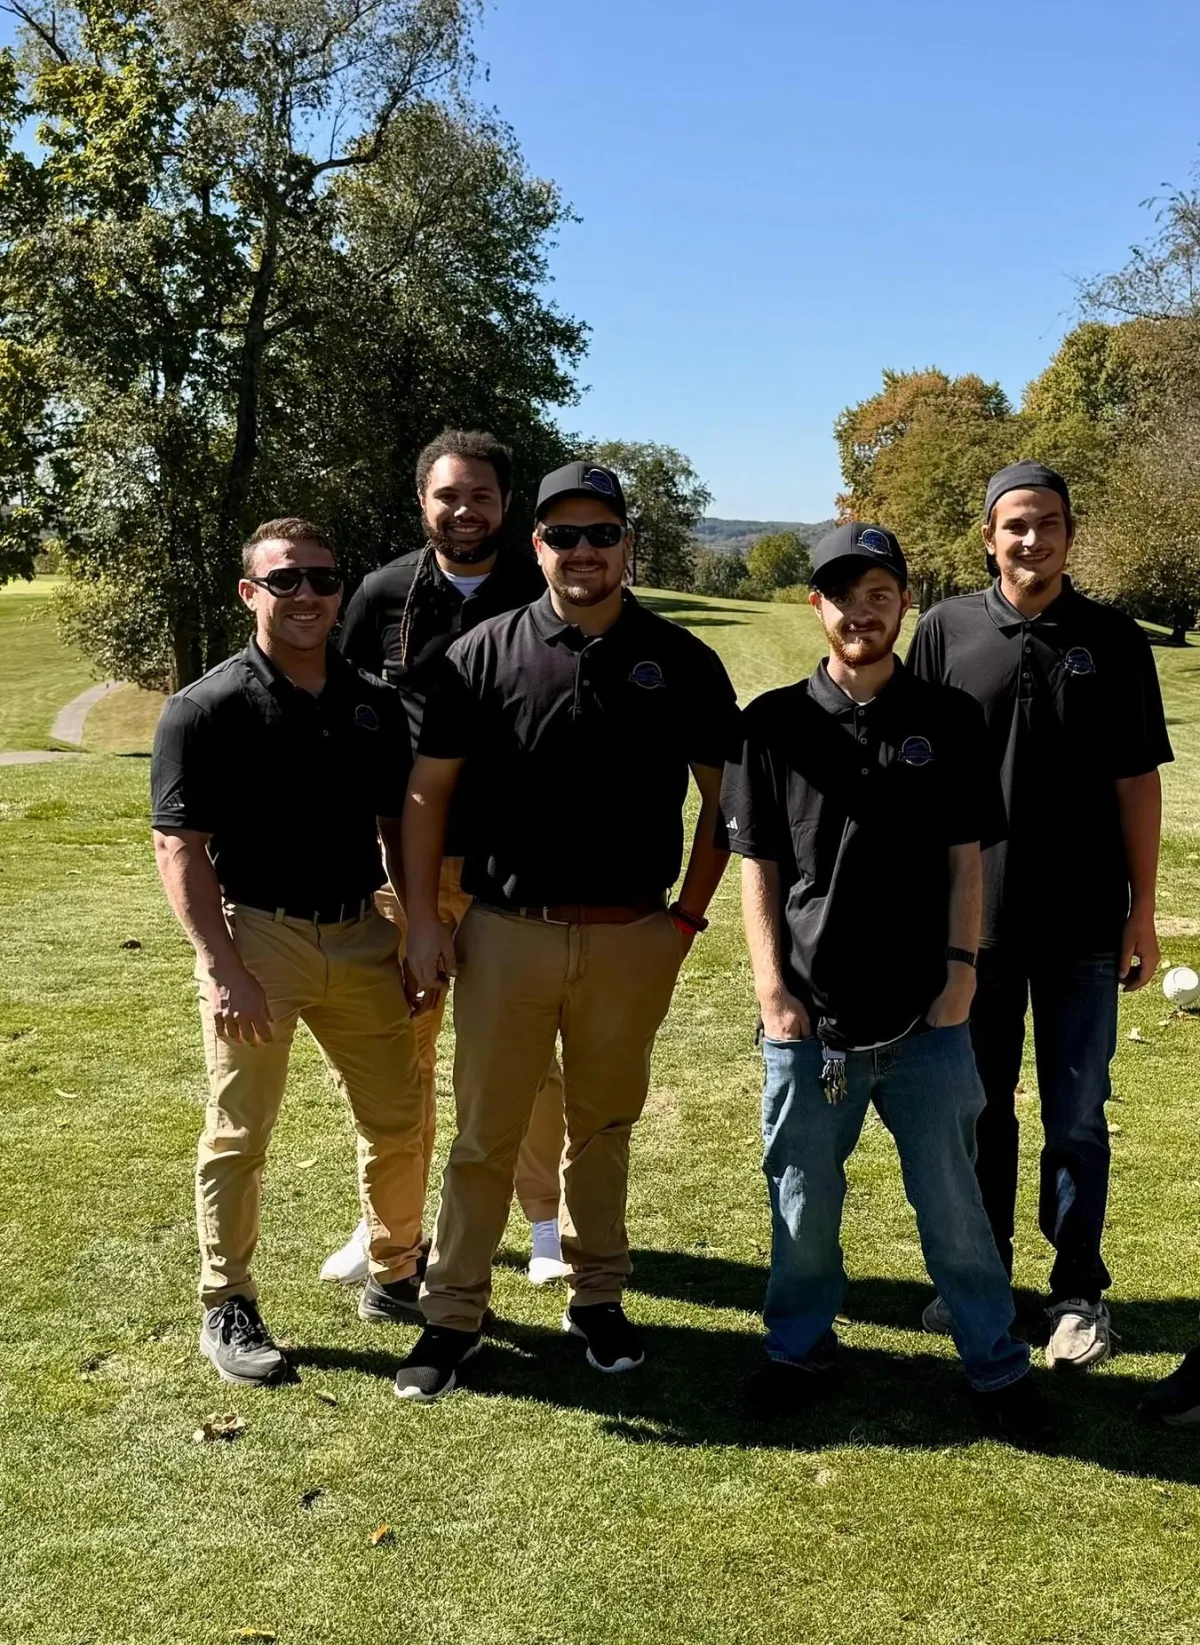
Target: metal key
x=833 y=1074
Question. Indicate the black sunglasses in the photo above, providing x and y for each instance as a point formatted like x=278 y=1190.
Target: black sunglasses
x=322 y=579
x=567 y=536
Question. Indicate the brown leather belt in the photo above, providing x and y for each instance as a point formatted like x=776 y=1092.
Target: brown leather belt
x=586 y=913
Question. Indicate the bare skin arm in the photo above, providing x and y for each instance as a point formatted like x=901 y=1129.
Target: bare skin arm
x=953 y=1004
x=239 y=1005
x=783 y=1015
x=706 y=863
x=391 y=839
x=430 y=954
x=1139 y=802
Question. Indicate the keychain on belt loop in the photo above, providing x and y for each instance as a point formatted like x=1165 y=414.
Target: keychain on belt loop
x=833 y=1073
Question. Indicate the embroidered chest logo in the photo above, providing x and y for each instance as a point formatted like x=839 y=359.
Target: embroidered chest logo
x=1079 y=661
x=648 y=675
x=916 y=751
x=366 y=718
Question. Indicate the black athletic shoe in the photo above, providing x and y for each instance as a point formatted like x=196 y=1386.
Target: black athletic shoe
x=780 y=1389
x=1176 y=1399
x=237 y=1343
x=612 y=1342
x=423 y=1257
x=1019 y=1413
x=398 y=1302
x=431 y=1370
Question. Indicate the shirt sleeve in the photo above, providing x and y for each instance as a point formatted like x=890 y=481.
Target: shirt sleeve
x=453 y=716
x=1140 y=743
x=712 y=736
x=184 y=769
x=976 y=809
x=360 y=640
x=753 y=819
x=925 y=658
x=396 y=764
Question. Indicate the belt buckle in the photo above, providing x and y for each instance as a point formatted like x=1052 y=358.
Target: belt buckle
x=546 y=920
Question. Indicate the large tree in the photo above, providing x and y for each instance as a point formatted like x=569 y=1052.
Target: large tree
x=666 y=500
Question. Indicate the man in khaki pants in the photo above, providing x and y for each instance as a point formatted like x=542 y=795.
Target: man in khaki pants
x=272 y=778
x=574 y=723
x=399 y=625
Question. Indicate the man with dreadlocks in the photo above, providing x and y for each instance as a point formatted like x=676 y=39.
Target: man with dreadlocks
x=399 y=625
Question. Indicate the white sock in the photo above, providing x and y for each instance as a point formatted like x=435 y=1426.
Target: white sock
x=546 y=1241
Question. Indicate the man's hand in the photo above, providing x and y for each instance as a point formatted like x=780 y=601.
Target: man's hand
x=1139 y=952
x=953 y=1005
x=240 y=1012
x=783 y=1017
x=429 y=961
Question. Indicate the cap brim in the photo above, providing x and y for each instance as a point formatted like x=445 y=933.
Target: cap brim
x=611 y=503
x=864 y=561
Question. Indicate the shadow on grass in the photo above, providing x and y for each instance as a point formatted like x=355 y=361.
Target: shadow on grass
x=696 y=613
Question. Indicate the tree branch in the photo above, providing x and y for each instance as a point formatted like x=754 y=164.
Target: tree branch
x=48 y=35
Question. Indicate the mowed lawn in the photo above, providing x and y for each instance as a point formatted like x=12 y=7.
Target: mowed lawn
x=544 y=1504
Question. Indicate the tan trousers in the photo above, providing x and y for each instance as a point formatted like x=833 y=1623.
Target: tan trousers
x=343 y=981
x=538 y=1186
x=521 y=983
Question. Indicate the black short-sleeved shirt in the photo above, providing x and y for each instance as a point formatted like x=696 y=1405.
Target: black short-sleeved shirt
x=859 y=805
x=1072 y=703
x=577 y=752
x=287 y=784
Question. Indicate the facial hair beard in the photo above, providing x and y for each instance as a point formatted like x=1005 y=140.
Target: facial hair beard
x=465 y=553
x=855 y=654
x=579 y=594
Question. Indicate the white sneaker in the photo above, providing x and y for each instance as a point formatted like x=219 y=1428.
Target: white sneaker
x=935 y=1318
x=546 y=1261
x=349 y=1265
x=1081 y=1334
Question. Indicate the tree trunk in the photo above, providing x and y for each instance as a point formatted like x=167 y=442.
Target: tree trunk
x=254 y=348
x=187 y=654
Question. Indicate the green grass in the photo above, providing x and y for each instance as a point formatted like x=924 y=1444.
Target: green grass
x=123 y=722
x=38 y=673
x=547 y=1505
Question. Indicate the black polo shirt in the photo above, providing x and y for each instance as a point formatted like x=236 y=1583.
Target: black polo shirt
x=577 y=751
x=1072 y=703
x=287 y=784
x=859 y=804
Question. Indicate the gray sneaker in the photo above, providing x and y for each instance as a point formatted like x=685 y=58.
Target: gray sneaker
x=935 y=1318
x=235 y=1341
x=1081 y=1334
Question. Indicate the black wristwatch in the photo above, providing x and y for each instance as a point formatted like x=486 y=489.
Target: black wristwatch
x=963 y=955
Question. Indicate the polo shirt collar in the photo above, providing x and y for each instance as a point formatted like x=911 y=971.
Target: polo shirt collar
x=830 y=696
x=554 y=631
x=1009 y=620
x=275 y=680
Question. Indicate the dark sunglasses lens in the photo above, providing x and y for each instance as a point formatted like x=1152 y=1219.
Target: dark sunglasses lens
x=562 y=536
x=323 y=580
x=567 y=536
x=604 y=536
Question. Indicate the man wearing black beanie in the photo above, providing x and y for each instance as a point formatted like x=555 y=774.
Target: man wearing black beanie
x=1071 y=698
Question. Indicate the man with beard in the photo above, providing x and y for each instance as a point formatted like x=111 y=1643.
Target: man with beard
x=859 y=801
x=575 y=723
x=400 y=624
x=1074 y=716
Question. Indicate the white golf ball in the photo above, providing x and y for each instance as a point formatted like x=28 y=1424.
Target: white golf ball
x=1181 y=985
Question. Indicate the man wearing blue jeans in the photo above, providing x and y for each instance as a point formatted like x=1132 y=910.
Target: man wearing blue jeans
x=1074 y=716
x=860 y=794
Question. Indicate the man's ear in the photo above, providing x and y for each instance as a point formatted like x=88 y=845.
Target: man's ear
x=246 y=592
x=905 y=600
x=814 y=599
x=505 y=504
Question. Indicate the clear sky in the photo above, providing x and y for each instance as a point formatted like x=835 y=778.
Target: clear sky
x=782 y=197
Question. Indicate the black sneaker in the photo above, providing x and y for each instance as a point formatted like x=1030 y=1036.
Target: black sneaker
x=780 y=1389
x=237 y=1343
x=1019 y=1413
x=398 y=1302
x=612 y=1342
x=1176 y=1399
x=431 y=1370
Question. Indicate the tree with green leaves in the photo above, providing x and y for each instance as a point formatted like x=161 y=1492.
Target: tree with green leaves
x=666 y=500
x=715 y=573
x=778 y=560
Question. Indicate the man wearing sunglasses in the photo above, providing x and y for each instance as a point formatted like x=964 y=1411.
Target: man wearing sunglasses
x=573 y=724
x=272 y=779
x=399 y=625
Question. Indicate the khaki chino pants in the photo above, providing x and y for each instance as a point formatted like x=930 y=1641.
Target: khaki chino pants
x=344 y=981
x=538 y=1185
x=521 y=983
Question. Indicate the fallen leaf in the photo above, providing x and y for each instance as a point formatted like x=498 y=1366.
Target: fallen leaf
x=324 y=1396
x=132 y=942
x=825 y=1476
x=255 y=1633
x=310 y=1496
x=59 y=1093
x=305 y=1164
x=381 y=1535
x=1137 y=1035
x=220 y=1426
x=1020 y=1091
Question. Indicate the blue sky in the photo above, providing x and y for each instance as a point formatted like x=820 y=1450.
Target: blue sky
x=782 y=197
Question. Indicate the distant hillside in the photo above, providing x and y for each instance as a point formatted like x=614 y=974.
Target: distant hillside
x=736 y=536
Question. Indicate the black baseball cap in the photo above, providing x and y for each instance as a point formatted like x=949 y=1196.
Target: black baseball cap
x=581 y=479
x=863 y=543
x=1025 y=476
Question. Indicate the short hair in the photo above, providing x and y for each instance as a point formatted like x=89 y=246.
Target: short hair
x=290 y=529
x=473 y=445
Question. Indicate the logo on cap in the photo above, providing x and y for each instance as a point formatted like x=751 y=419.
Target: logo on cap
x=366 y=717
x=916 y=751
x=648 y=675
x=598 y=480
x=1079 y=661
x=874 y=541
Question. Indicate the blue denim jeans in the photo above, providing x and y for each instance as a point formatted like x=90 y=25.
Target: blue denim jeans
x=928 y=1094
x=1074 y=1036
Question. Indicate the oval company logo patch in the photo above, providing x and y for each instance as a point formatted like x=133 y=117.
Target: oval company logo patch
x=874 y=541
x=598 y=480
x=366 y=717
x=1079 y=661
x=648 y=675
x=916 y=751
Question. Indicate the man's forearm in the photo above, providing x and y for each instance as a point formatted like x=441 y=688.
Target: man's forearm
x=423 y=837
x=1139 y=803
x=194 y=893
x=391 y=838
x=706 y=864
x=760 y=921
x=965 y=916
